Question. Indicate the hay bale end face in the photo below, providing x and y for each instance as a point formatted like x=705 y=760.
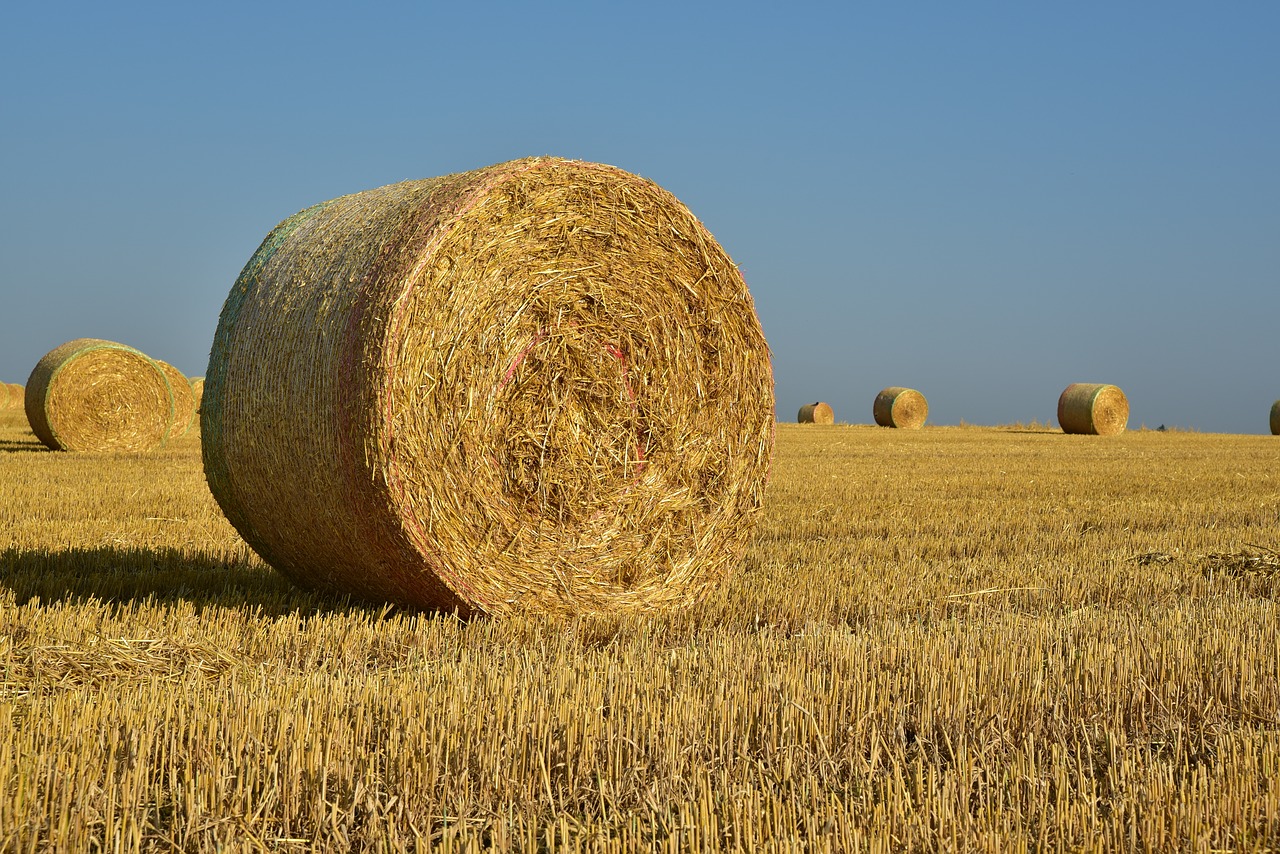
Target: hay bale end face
x=11 y=396
x=488 y=392
x=184 y=402
x=1275 y=418
x=904 y=408
x=816 y=413
x=95 y=395
x=1095 y=409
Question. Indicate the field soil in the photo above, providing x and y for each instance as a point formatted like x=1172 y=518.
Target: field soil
x=956 y=638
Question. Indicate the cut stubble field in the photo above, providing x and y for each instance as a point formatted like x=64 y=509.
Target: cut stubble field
x=944 y=639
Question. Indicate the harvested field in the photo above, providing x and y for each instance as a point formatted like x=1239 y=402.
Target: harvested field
x=951 y=638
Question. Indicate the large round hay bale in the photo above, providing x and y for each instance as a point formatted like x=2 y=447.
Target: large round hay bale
x=816 y=413
x=6 y=396
x=1275 y=418
x=904 y=408
x=94 y=395
x=17 y=394
x=184 y=402
x=197 y=391
x=538 y=386
x=1095 y=409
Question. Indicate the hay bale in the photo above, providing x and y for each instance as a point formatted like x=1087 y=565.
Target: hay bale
x=184 y=402
x=18 y=396
x=197 y=391
x=488 y=392
x=1096 y=409
x=6 y=396
x=904 y=408
x=1275 y=418
x=94 y=395
x=816 y=413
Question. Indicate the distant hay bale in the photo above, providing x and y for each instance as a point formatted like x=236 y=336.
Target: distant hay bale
x=1093 y=408
x=184 y=402
x=904 y=408
x=18 y=396
x=1275 y=418
x=816 y=413
x=197 y=391
x=94 y=395
x=6 y=396
x=489 y=392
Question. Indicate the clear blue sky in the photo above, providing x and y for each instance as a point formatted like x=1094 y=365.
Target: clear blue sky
x=983 y=201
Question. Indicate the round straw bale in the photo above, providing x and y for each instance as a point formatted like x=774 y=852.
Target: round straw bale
x=197 y=391
x=900 y=407
x=1095 y=409
x=18 y=395
x=184 y=402
x=1275 y=418
x=94 y=395
x=816 y=413
x=489 y=393
x=6 y=396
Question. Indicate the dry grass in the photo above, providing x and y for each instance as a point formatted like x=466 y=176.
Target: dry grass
x=493 y=395
x=962 y=638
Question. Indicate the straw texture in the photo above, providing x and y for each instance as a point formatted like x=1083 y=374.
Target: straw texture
x=904 y=408
x=17 y=395
x=197 y=391
x=184 y=402
x=7 y=396
x=1275 y=418
x=1095 y=409
x=538 y=386
x=816 y=413
x=95 y=395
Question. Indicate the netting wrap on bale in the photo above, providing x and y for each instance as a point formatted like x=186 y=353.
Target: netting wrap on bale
x=94 y=395
x=184 y=402
x=1095 y=409
x=904 y=408
x=1275 y=418
x=816 y=413
x=539 y=386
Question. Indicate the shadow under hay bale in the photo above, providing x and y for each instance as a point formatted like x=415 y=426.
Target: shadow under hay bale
x=904 y=408
x=538 y=386
x=1096 y=409
x=816 y=413
x=95 y=395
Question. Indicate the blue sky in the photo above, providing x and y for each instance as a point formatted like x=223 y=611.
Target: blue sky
x=983 y=201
